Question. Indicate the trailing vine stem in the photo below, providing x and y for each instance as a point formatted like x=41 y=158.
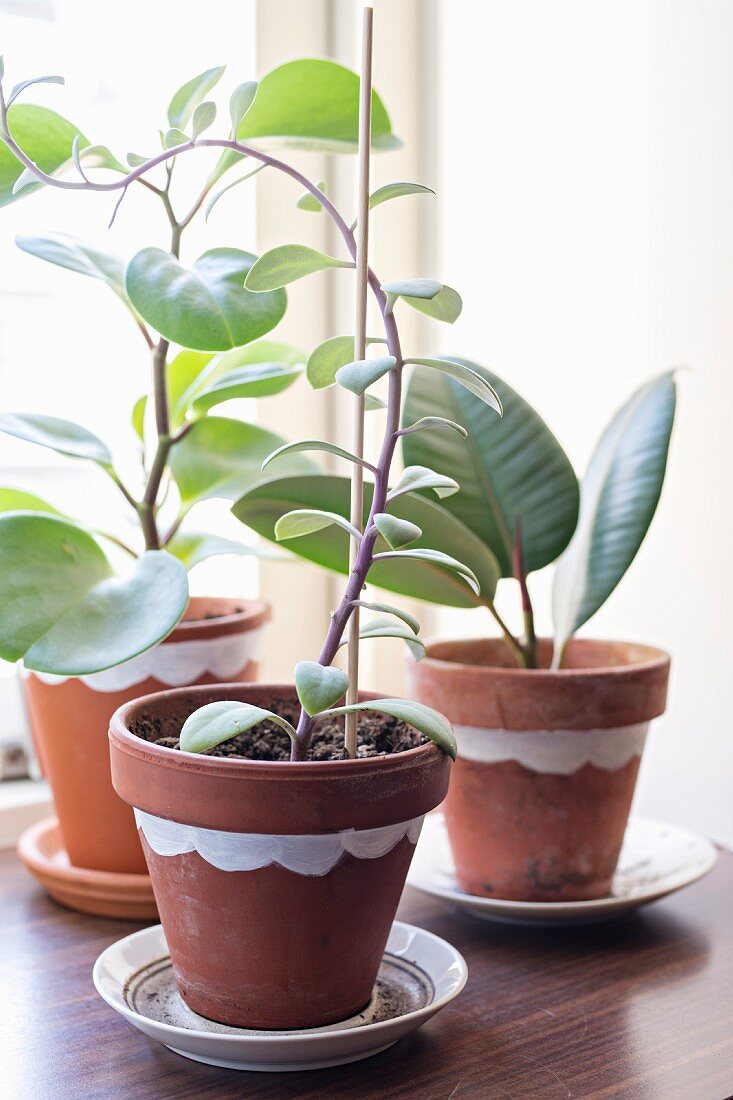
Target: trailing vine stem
x=362 y=564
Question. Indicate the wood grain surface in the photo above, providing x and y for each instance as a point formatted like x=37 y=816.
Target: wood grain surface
x=638 y=1009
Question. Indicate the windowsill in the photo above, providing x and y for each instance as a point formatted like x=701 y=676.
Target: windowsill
x=22 y=803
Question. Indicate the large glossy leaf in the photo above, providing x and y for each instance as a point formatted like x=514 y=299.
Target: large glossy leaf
x=506 y=468
x=200 y=381
x=59 y=435
x=193 y=547
x=61 y=608
x=75 y=255
x=427 y=721
x=206 y=307
x=46 y=137
x=261 y=507
x=17 y=500
x=223 y=458
x=619 y=495
x=314 y=104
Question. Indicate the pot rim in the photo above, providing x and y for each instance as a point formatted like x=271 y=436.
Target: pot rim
x=249 y=614
x=658 y=659
x=178 y=759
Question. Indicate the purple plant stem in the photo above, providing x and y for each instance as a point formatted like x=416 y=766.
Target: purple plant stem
x=363 y=562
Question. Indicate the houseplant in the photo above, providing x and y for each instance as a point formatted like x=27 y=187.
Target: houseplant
x=84 y=609
x=549 y=737
x=251 y=854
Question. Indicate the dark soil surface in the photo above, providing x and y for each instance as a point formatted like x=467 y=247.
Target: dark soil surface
x=378 y=735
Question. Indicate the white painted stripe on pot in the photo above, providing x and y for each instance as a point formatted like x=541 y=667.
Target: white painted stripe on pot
x=174 y=664
x=553 y=752
x=305 y=855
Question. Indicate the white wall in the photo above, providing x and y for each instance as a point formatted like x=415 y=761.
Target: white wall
x=586 y=215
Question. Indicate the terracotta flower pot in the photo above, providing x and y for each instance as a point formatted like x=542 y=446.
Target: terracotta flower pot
x=541 y=792
x=218 y=641
x=276 y=883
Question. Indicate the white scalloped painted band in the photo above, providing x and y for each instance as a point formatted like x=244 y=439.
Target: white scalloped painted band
x=175 y=664
x=309 y=854
x=553 y=752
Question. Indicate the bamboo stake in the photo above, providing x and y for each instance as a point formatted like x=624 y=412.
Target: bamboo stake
x=362 y=252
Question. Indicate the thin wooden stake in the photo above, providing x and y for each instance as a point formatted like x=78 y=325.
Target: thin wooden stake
x=362 y=265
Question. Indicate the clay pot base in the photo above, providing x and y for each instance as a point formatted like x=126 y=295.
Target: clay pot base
x=100 y=893
x=656 y=859
x=420 y=974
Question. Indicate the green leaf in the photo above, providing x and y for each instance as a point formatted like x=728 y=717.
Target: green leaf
x=173 y=138
x=203 y=118
x=308 y=200
x=319 y=686
x=427 y=721
x=357 y=377
x=427 y=423
x=325 y=360
x=261 y=507
x=137 y=417
x=618 y=498
x=396 y=532
x=473 y=381
x=416 y=478
x=510 y=467
x=445 y=306
x=135 y=160
x=285 y=264
x=199 y=382
x=240 y=102
x=75 y=255
x=385 y=628
x=258 y=380
x=61 y=608
x=19 y=88
x=388 y=609
x=313 y=104
x=213 y=199
x=188 y=97
x=396 y=191
x=222 y=458
x=316 y=445
x=16 y=500
x=424 y=289
x=59 y=435
x=438 y=558
x=215 y=723
x=304 y=521
x=99 y=156
x=45 y=137
x=372 y=403
x=193 y=547
x=205 y=308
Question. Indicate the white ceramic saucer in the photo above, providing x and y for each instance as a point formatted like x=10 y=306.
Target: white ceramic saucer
x=420 y=974
x=656 y=859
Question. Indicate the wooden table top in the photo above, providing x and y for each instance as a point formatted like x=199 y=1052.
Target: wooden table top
x=640 y=1008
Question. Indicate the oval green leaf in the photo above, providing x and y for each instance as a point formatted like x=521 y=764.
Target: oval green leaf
x=222 y=458
x=417 y=478
x=319 y=686
x=190 y=94
x=215 y=723
x=429 y=722
x=506 y=468
x=285 y=264
x=261 y=507
x=396 y=532
x=325 y=360
x=45 y=137
x=206 y=307
x=445 y=306
x=357 y=377
x=618 y=498
x=59 y=435
x=304 y=521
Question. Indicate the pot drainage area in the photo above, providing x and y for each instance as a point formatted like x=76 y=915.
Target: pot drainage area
x=401 y=988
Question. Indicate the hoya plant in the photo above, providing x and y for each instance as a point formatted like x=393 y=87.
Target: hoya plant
x=227 y=298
